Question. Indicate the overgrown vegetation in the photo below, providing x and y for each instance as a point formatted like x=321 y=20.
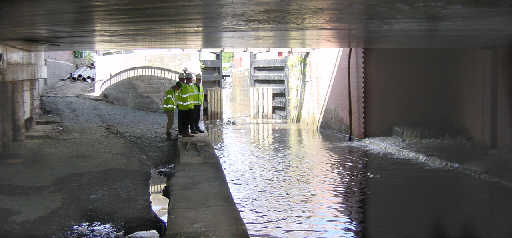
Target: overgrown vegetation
x=227 y=57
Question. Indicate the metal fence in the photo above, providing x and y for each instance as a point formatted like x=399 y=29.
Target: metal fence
x=157 y=72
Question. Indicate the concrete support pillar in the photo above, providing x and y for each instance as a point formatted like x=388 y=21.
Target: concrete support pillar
x=20 y=71
x=6 y=124
x=19 y=111
x=36 y=99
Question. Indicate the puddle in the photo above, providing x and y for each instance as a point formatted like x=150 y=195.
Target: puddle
x=159 y=203
x=92 y=230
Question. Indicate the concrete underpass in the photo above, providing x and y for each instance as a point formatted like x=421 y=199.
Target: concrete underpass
x=331 y=119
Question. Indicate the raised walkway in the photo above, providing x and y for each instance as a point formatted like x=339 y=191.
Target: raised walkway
x=201 y=204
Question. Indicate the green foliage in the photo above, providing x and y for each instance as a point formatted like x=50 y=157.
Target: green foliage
x=78 y=54
x=227 y=57
x=83 y=55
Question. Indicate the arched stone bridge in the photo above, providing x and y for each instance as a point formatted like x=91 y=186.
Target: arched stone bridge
x=157 y=72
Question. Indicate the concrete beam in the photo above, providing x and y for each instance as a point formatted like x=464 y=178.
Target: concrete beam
x=15 y=72
x=270 y=63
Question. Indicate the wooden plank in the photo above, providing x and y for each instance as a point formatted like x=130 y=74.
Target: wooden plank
x=254 y=103
x=260 y=105
x=209 y=91
x=217 y=108
x=221 y=105
x=267 y=99
x=262 y=102
x=214 y=104
x=250 y=103
x=268 y=103
x=271 y=102
x=208 y=104
x=216 y=113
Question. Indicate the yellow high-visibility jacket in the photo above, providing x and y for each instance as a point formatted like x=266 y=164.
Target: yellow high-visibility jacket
x=199 y=97
x=169 y=103
x=185 y=97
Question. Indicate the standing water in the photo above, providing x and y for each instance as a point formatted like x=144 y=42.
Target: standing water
x=290 y=182
x=287 y=183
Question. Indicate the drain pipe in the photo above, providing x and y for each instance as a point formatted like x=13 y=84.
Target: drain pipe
x=349 y=97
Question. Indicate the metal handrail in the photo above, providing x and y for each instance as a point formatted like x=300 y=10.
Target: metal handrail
x=100 y=86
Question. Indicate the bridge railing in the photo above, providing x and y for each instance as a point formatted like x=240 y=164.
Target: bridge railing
x=157 y=72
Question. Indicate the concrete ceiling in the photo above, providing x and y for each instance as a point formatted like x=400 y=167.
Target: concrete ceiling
x=107 y=24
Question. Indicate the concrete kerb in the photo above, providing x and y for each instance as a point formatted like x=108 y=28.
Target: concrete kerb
x=201 y=204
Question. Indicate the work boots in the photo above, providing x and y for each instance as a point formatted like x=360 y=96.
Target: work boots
x=186 y=134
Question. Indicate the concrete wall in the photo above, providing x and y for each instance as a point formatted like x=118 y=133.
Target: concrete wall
x=408 y=87
x=461 y=90
x=239 y=100
x=320 y=68
x=60 y=65
x=20 y=72
x=336 y=114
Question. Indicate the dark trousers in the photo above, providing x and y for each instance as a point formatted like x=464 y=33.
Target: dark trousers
x=184 y=120
x=196 y=117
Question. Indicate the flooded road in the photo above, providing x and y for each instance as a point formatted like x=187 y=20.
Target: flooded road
x=289 y=182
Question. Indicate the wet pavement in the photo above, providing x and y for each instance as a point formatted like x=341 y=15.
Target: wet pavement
x=290 y=182
x=84 y=173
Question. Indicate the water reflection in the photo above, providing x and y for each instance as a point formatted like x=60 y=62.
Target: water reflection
x=287 y=182
x=159 y=203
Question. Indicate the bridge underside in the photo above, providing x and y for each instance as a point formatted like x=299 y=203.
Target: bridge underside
x=390 y=86
x=63 y=24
